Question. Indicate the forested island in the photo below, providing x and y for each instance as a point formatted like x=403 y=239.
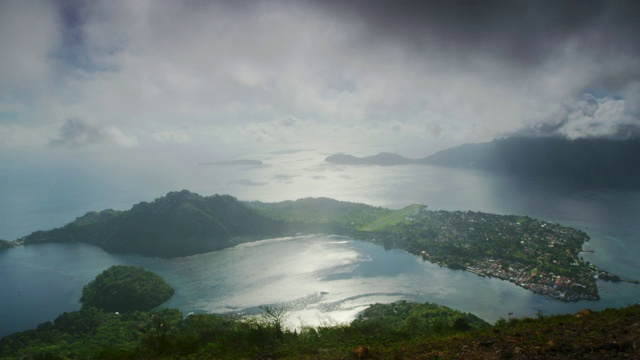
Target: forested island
x=125 y=289
x=534 y=254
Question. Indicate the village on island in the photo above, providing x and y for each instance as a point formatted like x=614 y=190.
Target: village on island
x=537 y=255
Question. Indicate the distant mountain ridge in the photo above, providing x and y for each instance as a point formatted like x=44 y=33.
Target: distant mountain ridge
x=596 y=162
x=382 y=159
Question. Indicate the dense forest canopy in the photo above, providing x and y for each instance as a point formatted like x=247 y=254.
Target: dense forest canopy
x=125 y=289
x=177 y=224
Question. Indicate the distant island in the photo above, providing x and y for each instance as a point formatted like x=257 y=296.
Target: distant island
x=381 y=159
x=589 y=162
x=534 y=254
x=125 y=289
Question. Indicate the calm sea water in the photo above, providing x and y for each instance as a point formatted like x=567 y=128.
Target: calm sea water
x=322 y=279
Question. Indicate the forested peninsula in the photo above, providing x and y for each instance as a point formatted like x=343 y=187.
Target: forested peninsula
x=534 y=254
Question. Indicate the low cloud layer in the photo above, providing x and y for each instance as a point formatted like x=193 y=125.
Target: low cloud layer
x=220 y=75
x=591 y=117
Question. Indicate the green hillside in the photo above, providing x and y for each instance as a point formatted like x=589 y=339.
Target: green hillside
x=177 y=224
x=393 y=218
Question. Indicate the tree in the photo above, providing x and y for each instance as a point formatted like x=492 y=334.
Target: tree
x=275 y=317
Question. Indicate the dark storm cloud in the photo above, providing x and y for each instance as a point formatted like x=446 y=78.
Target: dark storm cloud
x=73 y=16
x=587 y=44
x=522 y=32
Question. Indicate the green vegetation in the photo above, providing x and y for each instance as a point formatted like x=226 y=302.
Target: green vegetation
x=399 y=330
x=534 y=254
x=383 y=331
x=393 y=218
x=92 y=333
x=126 y=289
x=407 y=319
x=321 y=214
x=178 y=224
x=96 y=331
x=537 y=255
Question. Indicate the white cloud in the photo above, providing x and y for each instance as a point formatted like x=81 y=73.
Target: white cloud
x=606 y=117
x=285 y=130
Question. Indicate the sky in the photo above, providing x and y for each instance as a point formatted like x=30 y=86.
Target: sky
x=135 y=81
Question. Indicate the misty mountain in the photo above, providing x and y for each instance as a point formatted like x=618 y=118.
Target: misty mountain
x=382 y=159
x=588 y=162
x=591 y=162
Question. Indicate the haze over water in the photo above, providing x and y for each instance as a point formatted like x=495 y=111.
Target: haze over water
x=322 y=279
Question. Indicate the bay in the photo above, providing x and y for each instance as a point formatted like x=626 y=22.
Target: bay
x=321 y=279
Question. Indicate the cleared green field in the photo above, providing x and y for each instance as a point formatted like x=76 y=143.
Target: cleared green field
x=393 y=217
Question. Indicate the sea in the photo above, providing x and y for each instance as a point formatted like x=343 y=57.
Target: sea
x=321 y=279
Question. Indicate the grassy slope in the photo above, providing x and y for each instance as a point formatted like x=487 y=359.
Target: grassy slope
x=393 y=217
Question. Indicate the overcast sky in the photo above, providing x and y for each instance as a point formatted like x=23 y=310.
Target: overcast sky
x=130 y=77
